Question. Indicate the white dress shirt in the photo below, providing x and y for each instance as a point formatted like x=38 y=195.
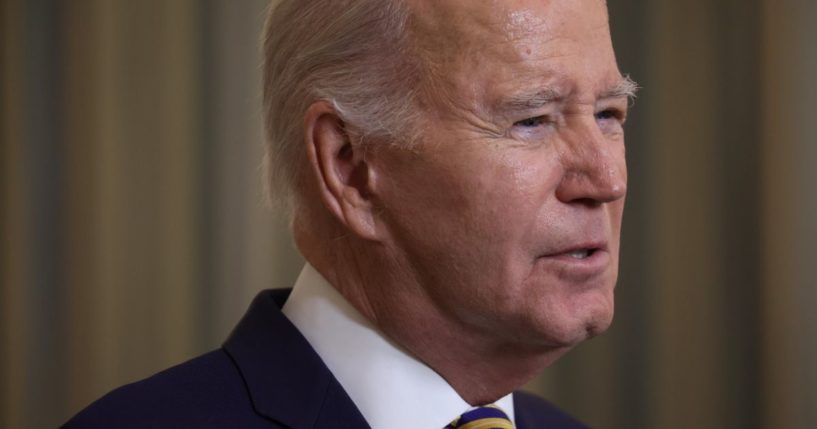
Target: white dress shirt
x=390 y=387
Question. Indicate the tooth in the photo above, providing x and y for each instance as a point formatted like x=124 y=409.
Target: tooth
x=579 y=254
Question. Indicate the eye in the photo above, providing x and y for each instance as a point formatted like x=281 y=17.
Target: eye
x=610 y=114
x=531 y=122
x=610 y=121
x=534 y=128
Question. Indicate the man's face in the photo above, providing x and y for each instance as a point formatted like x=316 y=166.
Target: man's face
x=507 y=214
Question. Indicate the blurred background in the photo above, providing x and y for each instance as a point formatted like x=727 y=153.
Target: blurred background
x=134 y=233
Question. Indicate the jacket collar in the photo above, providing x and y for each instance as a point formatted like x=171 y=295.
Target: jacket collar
x=285 y=377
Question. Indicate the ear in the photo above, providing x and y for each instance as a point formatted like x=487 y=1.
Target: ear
x=340 y=170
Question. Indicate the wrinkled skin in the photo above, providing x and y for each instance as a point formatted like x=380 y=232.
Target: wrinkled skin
x=482 y=211
x=490 y=247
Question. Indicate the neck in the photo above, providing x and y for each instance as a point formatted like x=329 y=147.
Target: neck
x=479 y=366
x=481 y=369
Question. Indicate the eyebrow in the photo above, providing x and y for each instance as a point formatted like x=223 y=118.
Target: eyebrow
x=528 y=101
x=625 y=87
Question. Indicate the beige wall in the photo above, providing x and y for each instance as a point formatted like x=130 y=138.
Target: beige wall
x=133 y=231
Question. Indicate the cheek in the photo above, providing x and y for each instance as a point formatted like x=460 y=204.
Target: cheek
x=525 y=190
x=521 y=177
x=529 y=173
x=508 y=197
x=479 y=208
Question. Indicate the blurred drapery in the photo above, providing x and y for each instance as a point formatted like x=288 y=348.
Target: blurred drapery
x=134 y=231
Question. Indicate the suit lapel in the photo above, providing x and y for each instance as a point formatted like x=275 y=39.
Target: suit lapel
x=286 y=379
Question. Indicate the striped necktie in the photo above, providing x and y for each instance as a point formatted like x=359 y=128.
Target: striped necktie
x=488 y=417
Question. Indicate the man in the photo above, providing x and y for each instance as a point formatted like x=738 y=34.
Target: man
x=456 y=177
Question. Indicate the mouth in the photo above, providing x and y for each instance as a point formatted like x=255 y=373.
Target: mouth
x=578 y=263
x=581 y=253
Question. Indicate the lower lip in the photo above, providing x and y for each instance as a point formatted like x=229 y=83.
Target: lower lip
x=578 y=269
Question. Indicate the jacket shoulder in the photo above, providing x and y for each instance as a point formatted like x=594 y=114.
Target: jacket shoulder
x=206 y=391
x=531 y=411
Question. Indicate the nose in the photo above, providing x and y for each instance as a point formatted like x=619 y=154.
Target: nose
x=595 y=169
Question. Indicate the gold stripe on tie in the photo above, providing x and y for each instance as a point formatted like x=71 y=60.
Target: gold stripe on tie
x=489 y=423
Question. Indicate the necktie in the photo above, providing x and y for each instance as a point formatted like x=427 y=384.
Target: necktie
x=488 y=417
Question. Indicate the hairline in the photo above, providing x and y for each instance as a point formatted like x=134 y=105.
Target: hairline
x=386 y=113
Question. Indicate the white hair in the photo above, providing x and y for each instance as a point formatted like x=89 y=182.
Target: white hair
x=351 y=53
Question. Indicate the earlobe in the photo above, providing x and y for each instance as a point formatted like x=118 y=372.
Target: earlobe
x=339 y=167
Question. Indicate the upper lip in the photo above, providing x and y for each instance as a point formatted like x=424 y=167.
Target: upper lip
x=588 y=245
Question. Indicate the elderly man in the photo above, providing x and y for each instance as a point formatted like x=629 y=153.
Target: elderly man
x=456 y=177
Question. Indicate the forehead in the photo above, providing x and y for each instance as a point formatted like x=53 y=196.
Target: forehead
x=485 y=46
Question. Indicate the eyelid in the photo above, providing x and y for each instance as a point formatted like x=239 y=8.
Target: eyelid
x=540 y=119
x=618 y=107
x=537 y=130
x=545 y=114
x=619 y=114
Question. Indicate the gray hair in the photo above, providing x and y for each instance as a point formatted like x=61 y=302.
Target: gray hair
x=351 y=53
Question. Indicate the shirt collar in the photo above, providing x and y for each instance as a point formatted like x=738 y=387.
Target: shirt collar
x=389 y=386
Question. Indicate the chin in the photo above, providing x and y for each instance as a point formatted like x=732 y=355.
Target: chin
x=592 y=311
x=599 y=325
x=574 y=326
x=570 y=338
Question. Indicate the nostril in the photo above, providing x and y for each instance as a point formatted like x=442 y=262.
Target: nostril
x=588 y=202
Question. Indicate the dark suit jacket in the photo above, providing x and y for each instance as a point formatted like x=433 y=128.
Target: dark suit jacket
x=266 y=376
